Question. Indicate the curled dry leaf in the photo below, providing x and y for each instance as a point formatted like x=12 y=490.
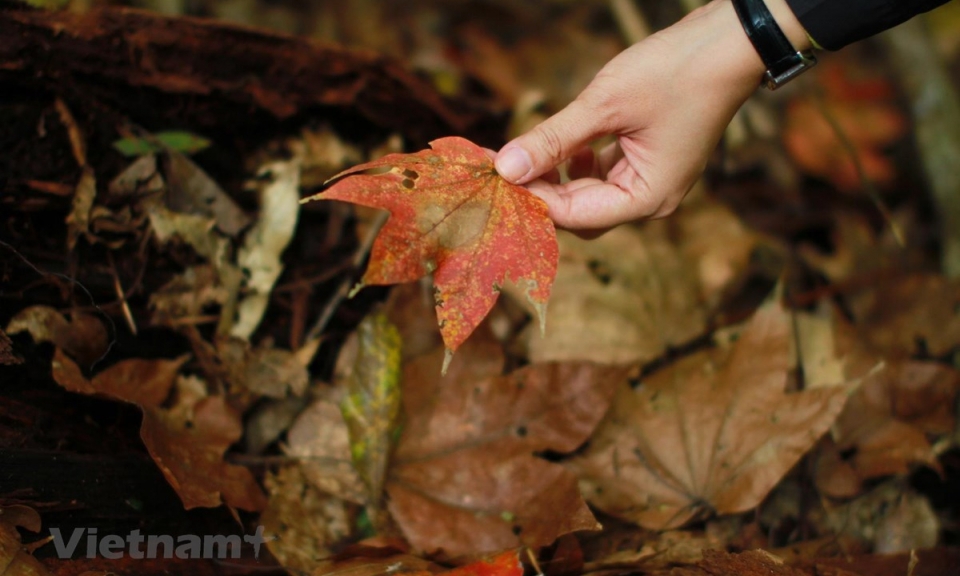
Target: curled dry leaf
x=465 y=479
x=187 y=445
x=706 y=433
x=83 y=336
x=78 y=221
x=453 y=216
x=264 y=243
x=14 y=560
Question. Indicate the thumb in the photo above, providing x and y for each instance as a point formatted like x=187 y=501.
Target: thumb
x=554 y=140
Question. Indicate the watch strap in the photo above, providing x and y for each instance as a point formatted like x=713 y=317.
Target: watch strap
x=782 y=60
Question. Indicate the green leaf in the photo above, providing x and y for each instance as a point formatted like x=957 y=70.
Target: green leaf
x=371 y=407
x=175 y=140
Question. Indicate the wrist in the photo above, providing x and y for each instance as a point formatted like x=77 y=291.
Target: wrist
x=790 y=24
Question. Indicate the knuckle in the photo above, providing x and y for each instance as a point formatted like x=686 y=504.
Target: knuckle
x=551 y=142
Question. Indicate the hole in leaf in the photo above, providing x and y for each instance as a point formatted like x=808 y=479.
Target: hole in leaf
x=411 y=174
x=407 y=183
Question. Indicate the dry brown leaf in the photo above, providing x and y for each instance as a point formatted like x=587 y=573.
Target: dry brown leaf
x=319 y=437
x=715 y=431
x=886 y=425
x=912 y=315
x=613 y=309
x=190 y=190
x=719 y=246
x=752 y=563
x=14 y=560
x=187 y=294
x=190 y=455
x=301 y=523
x=187 y=445
x=410 y=308
x=266 y=371
x=137 y=380
x=82 y=337
x=78 y=221
x=465 y=478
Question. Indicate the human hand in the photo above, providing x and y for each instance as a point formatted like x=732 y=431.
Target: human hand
x=667 y=99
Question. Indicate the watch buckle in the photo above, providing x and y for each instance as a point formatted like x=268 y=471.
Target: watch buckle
x=805 y=61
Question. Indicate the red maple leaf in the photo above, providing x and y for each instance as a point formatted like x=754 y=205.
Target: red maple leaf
x=452 y=215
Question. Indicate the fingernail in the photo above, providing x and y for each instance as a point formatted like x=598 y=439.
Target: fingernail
x=514 y=164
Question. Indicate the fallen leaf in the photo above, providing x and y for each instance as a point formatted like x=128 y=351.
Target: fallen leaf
x=410 y=308
x=187 y=294
x=268 y=420
x=319 y=438
x=143 y=382
x=611 y=308
x=78 y=221
x=718 y=245
x=190 y=455
x=176 y=140
x=911 y=315
x=264 y=243
x=465 y=478
x=14 y=560
x=302 y=524
x=82 y=337
x=864 y=110
x=371 y=405
x=187 y=445
x=453 y=216
x=378 y=563
x=885 y=427
x=715 y=431
x=22 y=516
x=751 y=563
x=505 y=564
x=891 y=516
x=265 y=371
x=190 y=190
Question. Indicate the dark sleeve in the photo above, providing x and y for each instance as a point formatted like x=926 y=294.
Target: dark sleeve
x=836 y=23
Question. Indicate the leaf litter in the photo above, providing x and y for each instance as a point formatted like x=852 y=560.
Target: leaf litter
x=525 y=430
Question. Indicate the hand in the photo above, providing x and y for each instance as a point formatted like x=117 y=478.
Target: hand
x=667 y=100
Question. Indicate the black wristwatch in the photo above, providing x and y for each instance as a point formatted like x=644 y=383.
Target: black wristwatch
x=783 y=61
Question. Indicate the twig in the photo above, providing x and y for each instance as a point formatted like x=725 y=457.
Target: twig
x=118 y=288
x=865 y=182
x=344 y=289
x=631 y=21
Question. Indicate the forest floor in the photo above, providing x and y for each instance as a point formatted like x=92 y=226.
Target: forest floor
x=766 y=382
